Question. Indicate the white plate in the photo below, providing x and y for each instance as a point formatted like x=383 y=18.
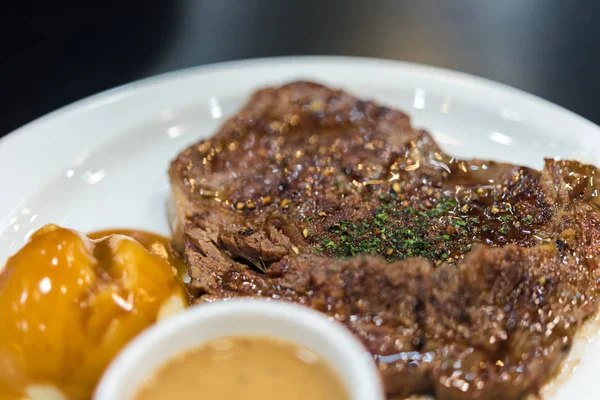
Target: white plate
x=101 y=162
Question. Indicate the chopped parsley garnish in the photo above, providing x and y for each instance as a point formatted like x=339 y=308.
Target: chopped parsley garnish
x=397 y=233
x=528 y=219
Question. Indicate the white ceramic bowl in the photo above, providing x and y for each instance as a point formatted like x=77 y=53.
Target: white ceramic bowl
x=277 y=319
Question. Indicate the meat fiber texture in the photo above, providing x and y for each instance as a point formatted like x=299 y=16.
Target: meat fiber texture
x=465 y=279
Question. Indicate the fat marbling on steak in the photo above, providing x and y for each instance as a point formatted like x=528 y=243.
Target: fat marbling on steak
x=464 y=278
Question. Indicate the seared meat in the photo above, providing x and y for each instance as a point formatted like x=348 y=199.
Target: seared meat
x=465 y=279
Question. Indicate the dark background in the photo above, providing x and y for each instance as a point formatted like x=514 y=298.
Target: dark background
x=56 y=52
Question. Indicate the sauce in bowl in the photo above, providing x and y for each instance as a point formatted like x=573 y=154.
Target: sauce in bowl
x=245 y=367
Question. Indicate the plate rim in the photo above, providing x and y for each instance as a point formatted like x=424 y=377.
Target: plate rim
x=445 y=74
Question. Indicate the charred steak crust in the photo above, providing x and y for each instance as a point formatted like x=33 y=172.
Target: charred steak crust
x=464 y=278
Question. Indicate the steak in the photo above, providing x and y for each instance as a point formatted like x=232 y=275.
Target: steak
x=464 y=278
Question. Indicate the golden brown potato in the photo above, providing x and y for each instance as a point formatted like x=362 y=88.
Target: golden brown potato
x=69 y=304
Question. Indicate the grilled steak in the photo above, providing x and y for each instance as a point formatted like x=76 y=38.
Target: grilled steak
x=465 y=279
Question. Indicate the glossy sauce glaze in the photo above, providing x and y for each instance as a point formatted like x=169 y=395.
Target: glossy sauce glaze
x=155 y=243
x=251 y=368
x=342 y=177
x=69 y=304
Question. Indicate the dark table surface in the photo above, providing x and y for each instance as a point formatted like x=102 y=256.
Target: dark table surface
x=54 y=53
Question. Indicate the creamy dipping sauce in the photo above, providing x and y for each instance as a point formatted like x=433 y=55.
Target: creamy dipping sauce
x=245 y=367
